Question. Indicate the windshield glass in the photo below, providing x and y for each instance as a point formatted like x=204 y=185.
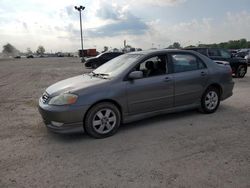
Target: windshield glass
x=100 y=54
x=117 y=65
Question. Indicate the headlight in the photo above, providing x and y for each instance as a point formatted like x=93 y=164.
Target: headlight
x=63 y=99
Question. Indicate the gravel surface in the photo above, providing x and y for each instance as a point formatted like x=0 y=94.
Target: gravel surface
x=183 y=150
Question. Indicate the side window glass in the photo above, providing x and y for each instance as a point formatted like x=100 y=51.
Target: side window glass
x=113 y=55
x=185 y=62
x=153 y=66
x=103 y=56
x=225 y=54
x=213 y=52
x=202 y=51
x=106 y=56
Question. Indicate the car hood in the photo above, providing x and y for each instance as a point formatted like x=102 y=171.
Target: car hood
x=74 y=84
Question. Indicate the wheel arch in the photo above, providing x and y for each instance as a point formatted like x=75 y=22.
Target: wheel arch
x=218 y=86
x=102 y=101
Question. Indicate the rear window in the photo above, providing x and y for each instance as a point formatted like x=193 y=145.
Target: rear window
x=186 y=62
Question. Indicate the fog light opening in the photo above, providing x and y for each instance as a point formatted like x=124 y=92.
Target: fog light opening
x=57 y=124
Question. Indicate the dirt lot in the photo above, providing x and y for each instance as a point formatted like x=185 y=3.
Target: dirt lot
x=186 y=149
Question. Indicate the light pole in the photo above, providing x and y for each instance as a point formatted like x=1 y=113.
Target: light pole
x=80 y=9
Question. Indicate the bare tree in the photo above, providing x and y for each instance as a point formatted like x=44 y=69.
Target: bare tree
x=29 y=51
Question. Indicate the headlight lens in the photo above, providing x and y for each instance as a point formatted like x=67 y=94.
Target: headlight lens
x=63 y=99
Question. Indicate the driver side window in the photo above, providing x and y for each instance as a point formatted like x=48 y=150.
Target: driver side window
x=153 y=66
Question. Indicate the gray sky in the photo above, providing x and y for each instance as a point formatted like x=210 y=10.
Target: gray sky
x=142 y=23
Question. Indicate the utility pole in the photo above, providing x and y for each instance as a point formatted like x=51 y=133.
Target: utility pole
x=80 y=9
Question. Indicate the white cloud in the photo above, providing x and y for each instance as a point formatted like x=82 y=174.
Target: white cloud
x=158 y=2
x=233 y=27
x=236 y=25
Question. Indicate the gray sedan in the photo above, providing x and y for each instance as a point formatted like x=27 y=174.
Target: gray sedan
x=134 y=86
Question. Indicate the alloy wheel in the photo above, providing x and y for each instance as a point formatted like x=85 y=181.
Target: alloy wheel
x=104 y=121
x=211 y=100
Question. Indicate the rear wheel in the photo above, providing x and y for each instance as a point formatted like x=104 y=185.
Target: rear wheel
x=241 y=71
x=102 y=120
x=210 y=100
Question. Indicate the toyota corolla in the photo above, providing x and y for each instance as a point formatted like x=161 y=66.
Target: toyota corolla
x=134 y=86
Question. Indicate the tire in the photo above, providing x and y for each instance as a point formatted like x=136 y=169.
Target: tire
x=210 y=100
x=241 y=71
x=102 y=120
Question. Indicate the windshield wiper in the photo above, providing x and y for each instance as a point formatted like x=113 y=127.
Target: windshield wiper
x=102 y=75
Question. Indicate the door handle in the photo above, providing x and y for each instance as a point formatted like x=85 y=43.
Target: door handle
x=167 y=79
x=203 y=73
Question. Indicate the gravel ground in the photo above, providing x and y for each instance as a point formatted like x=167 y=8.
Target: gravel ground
x=186 y=149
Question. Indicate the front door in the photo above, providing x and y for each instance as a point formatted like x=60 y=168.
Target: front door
x=152 y=92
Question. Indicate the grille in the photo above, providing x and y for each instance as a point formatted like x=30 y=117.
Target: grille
x=45 y=97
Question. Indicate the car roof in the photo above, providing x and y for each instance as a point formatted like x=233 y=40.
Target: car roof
x=196 y=48
x=152 y=52
x=112 y=53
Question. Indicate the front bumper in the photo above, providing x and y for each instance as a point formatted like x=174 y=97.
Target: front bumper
x=63 y=119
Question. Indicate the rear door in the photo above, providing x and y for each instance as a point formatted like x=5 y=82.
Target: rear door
x=190 y=76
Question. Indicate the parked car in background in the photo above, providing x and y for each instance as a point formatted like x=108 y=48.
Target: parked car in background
x=102 y=58
x=134 y=86
x=238 y=64
x=241 y=54
x=30 y=56
x=247 y=57
x=233 y=52
x=244 y=53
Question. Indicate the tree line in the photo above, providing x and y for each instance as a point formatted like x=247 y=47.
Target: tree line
x=232 y=44
x=9 y=49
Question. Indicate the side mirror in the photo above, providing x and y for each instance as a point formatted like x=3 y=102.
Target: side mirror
x=135 y=75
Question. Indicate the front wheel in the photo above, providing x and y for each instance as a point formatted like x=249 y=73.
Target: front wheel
x=241 y=71
x=102 y=120
x=210 y=100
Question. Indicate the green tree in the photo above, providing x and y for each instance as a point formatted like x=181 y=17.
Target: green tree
x=248 y=44
x=175 y=45
x=243 y=43
x=232 y=44
x=9 y=49
x=40 y=50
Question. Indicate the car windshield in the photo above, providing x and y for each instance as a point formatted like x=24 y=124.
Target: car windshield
x=100 y=54
x=117 y=65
